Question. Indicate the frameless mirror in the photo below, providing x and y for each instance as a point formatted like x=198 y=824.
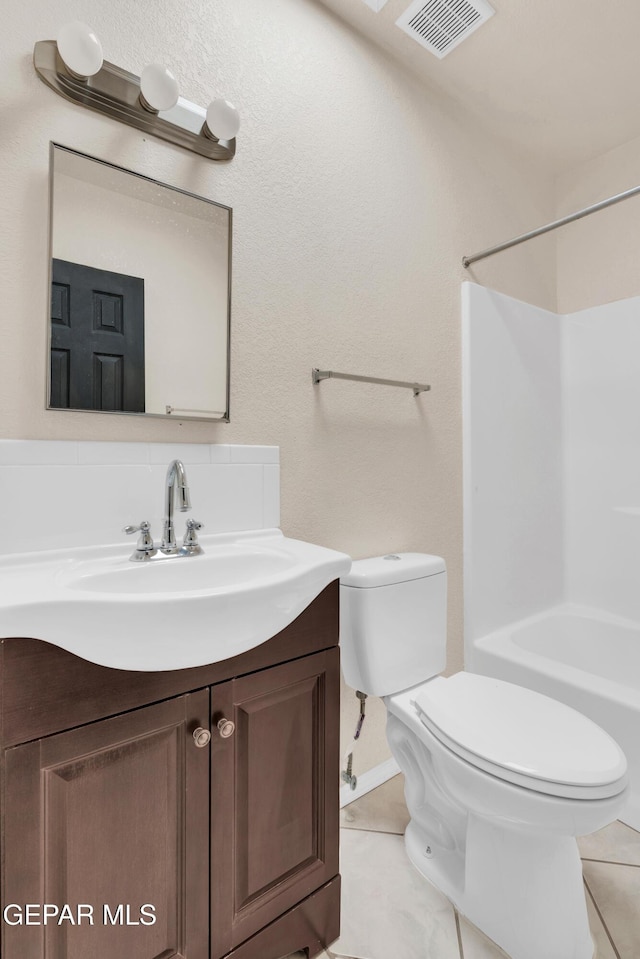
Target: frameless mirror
x=140 y=294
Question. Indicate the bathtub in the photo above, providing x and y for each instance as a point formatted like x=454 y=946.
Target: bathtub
x=583 y=657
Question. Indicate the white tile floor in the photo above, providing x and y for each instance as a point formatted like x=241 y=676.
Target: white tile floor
x=388 y=910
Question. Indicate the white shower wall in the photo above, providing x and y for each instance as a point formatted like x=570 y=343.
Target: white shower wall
x=512 y=451
x=601 y=372
x=551 y=422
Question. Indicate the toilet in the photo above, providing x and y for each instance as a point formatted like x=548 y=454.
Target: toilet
x=499 y=780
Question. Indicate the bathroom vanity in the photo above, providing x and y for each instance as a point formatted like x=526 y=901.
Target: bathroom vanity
x=193 y=812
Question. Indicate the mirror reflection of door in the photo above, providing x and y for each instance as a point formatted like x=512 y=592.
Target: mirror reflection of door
x=97 y=339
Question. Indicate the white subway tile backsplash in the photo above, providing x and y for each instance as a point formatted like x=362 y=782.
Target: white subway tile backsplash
x=38 y=452
x=58 y=507
x=187 y=452
x=83 y=493
x=220 y=453
x=98 y=454
x=234 y=497
x=255 y=454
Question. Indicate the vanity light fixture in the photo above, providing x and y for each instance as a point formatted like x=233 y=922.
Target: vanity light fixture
x=80 y=49
x=73 y=66
x=158 y=88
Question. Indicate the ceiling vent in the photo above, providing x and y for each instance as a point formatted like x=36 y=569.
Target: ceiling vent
x=440 y=25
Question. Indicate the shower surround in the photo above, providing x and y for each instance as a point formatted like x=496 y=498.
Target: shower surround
x=551 y=411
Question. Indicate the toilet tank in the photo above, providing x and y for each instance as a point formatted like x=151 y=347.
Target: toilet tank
x=393 y=622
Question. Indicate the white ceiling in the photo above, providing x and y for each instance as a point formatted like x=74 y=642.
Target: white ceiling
x=559 y=79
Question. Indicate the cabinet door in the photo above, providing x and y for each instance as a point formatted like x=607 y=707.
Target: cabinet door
x=274 y=794
x=112 y=814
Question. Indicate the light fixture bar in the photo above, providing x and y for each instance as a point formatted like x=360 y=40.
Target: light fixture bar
x=115 y=92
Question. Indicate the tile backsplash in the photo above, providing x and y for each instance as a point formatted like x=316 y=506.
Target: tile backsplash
x=58 y=493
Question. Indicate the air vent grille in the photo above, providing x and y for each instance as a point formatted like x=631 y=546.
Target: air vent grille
x=440 y=25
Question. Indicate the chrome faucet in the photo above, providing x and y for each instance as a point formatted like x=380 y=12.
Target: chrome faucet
x=176 y=481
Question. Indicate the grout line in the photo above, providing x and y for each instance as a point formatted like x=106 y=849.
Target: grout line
x=627 y=826
x=601 y=917
x=612 y=862
x=459 y=933
x=384 y=832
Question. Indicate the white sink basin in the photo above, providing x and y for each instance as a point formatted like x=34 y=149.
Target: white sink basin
x=168 y=612
x=211 y=572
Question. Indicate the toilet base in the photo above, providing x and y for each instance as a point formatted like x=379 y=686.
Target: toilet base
x=524 y=890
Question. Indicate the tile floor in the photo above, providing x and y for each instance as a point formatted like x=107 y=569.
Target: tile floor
x=389 y=911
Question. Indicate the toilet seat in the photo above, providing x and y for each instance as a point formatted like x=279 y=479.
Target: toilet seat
x=520 y=736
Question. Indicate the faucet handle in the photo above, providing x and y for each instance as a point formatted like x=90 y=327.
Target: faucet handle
x=144 y=547
x=190 y=544
x=144 y=527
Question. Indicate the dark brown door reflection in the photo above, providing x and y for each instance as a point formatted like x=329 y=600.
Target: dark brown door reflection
x=97 y=339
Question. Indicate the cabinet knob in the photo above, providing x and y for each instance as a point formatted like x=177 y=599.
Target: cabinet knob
x=226 y=728
x=201 y=737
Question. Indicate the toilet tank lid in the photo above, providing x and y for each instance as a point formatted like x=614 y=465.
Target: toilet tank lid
x=392 y=568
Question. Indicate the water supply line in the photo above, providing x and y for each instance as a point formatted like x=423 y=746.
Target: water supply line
x=347 y=774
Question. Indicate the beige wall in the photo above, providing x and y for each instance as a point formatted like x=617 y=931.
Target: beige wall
x=355 y=191
x=598 y=256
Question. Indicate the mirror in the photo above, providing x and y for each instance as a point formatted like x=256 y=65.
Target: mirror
x=140 y=294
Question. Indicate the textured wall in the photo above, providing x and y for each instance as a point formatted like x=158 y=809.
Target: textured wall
x=355 y=193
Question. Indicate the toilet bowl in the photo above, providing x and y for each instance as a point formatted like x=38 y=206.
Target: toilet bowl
x=499 y=780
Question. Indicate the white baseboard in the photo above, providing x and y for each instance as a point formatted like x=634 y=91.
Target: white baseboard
x=368 y=781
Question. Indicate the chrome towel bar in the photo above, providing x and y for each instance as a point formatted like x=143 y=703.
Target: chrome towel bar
x=318 y=375
x=180 y=409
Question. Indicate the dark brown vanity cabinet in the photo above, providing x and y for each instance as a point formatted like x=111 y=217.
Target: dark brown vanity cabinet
x=105 y=816
x=162 y=836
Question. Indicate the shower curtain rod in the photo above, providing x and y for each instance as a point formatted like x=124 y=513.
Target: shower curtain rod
x=602 y=205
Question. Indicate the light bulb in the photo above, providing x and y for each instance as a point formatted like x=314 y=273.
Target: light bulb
x=80 y=49
x=223 y=120
x=158 y=88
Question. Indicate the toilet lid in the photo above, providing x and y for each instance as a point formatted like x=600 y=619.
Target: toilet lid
x=519 y=730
